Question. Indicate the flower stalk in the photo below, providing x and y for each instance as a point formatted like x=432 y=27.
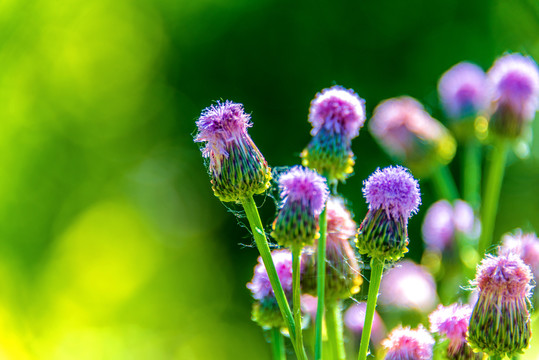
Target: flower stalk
x=321 y=284
x=377 y=268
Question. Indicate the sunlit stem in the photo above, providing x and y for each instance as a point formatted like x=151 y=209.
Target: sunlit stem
x=444 y=183
x=491 y=196
x=277 y=344
x=321 y=284
x=471 y=185
x=377 y=267
x=296 y=299
x=259 y=235
x=335 y=329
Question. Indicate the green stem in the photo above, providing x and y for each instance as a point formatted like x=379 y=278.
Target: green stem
x=377 y=267
x=489 y=206
x=259 y=235
x=471 y=186
x=277 y=344
x=296 y=299
x=495 y=357
x=444 y=183
x=321 y=285
x=335 y=329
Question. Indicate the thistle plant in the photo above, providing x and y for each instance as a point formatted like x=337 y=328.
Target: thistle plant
x=314 y=227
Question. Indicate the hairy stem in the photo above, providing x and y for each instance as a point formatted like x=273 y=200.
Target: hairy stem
x=321 y=284
x=377 y=267
x=335 y=329
x=296 y=299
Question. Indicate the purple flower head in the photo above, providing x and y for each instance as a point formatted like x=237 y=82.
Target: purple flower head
x=338 y=111
x=394 y=190
x=237 y=168
x=340 y=225
x=354 y=319
x=451 y=321
x=220 y=124
x=526 y=246
x=305 y=186
x=506 y=276
x=408 y=286
x=443 y=221
x=515 y=81
x=463 y=90
x=260 y=285
x=404 y=343
x=500 y=322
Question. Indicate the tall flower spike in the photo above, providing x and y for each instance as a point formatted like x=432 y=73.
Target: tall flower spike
x=500 y=323
x=406 y=131
x=515 y=82
x=304 y=194
x=404 y=343
x=343 y=277
x=336 y=115
x=265 y=309
x=451 y=322
x=237 y=168
x=393 y=196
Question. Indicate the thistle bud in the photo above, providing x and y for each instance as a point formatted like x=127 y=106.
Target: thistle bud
x=236 y=166
x=304 y=194
x=336 y=115
x=342 y=269
x=515 y=82
x=451 y=322
x=404 y=343
x=266 y=311
x=406 y=131
x=500 y=323
x=393 y=196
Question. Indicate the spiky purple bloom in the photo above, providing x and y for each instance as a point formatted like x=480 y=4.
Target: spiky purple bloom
x=500 y=322
x=463 y=90
x=408 y=286
x=515 y=82
x=406 y=344
x=443 y=221
x=265 y=309
x=451 y=322
x=237 y=167
x=354 y=319
x=393 y=196
x=405 y=130
x=343 y=277
x=336 y=115
x=524 y=245
x=304 y=194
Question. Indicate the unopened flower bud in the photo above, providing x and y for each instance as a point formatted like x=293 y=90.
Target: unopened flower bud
x=404 y=343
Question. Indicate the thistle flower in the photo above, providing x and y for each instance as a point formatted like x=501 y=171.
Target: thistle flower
x=404 y=344
x=406 y=131
x=463 y=90
x=515 y=82
x=451 y=322
x=526 y=246
x=408 y=286
x=237 y=168
x=265 y=309
x=304 y=194
x=336 y=115
x=500 y=322
x=393 y=196
x=342 y=270
x=443 y=221
x=354 y=319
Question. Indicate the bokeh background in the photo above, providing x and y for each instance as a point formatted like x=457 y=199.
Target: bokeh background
x=112 y=245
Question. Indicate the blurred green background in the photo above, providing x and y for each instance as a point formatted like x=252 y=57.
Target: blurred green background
x=112 y=245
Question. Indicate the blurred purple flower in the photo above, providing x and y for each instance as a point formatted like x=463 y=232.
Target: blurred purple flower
x=408 y=286
x=260 y=285
x=405 y=344
x=354 y=319
x=463 y=90
x=526 y=246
